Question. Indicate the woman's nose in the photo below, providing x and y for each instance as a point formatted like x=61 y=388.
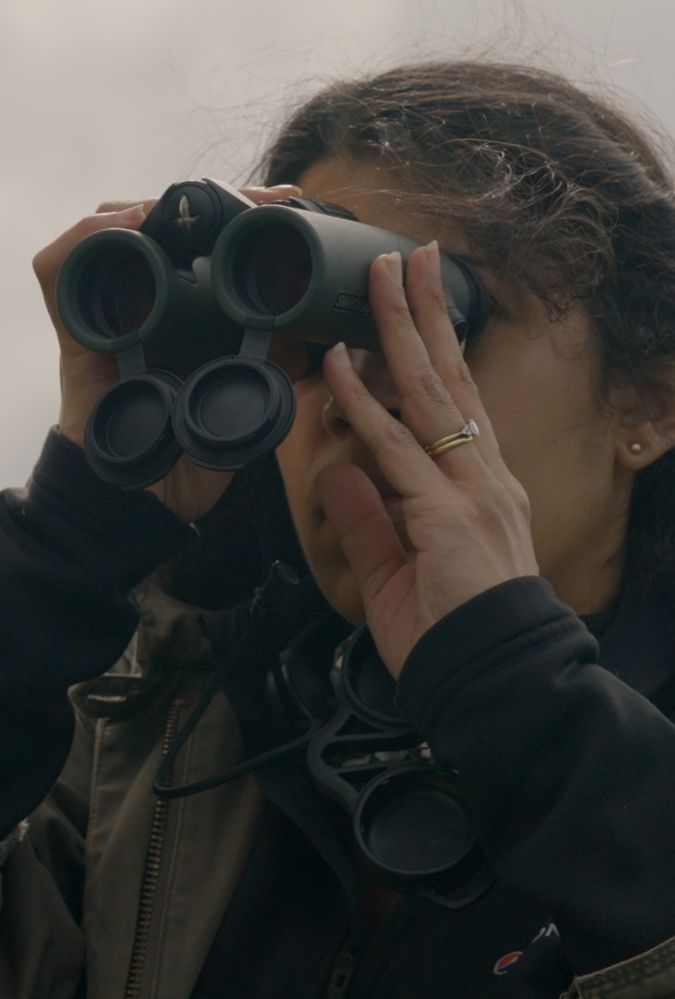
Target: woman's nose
x=373 y=371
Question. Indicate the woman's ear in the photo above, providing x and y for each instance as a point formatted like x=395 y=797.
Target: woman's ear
x=645 y=427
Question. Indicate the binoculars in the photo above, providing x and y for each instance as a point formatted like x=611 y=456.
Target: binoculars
x=409 y=821
x=189 y=305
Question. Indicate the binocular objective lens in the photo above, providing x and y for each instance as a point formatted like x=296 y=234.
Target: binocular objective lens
x=117 y=292
x=273 y=269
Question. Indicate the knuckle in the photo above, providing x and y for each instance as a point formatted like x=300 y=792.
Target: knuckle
x=432 y=302
x=432 y=386
x=471 y=510
x=397 y=434
x=522 y=500
x=457 y=372
x=438 y=302
x=357 y=394
x=104 y=207
x=507 y=498
x=487 y=512
x=40 y=268
x=48 y=260
x=427 y=386
x=464 y=376
x=399 y=311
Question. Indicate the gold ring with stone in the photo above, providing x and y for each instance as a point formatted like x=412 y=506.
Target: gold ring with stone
x=463 y=436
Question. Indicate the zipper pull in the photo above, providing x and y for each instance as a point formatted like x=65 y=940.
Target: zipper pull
x=342 y=976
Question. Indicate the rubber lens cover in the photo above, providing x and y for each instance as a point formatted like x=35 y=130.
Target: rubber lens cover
x=233 y=410
x=129 y=439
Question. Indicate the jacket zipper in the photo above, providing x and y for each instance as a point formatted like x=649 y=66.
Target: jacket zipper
x=151 y=869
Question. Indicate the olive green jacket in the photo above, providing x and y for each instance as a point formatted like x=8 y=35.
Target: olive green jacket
x=105 y=883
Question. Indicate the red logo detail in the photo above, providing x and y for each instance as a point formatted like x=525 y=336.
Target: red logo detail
x=505 y=962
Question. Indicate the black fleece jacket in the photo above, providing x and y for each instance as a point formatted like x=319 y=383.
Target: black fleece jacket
x=567 y=765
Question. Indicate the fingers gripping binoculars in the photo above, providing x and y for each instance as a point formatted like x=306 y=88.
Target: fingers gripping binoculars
x=189 y=305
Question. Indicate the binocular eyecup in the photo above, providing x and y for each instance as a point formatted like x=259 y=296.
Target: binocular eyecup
x=119 y=290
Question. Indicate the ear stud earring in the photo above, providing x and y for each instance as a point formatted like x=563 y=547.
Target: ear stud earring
x=636 y=448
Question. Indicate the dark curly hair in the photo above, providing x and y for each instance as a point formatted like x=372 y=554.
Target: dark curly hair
x=552 y=186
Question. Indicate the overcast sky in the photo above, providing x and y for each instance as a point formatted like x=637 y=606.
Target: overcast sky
x=105 y=99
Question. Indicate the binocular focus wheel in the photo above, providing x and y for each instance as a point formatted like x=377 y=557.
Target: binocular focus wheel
x=414 y=830
x=129 y=439
x=232 y=411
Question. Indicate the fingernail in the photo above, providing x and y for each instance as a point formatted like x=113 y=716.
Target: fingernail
x=286 y=187
x=433 y=257
x=394 y=266
x=136 y=213
x=341 y=354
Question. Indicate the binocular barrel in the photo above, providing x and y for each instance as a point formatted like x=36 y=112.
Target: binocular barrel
x=305 y=275
x=280 y=269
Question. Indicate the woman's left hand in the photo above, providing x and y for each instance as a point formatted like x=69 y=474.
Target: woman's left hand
x=467 y=518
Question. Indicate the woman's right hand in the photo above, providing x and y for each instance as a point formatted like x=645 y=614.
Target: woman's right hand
x=188 y=490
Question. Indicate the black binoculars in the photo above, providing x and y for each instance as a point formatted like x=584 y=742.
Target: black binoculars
x=188 y=306
x=410 y=823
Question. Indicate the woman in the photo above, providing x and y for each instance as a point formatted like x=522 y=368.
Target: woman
x=500 y=518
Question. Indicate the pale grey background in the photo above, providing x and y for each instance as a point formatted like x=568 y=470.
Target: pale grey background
x=104 y=99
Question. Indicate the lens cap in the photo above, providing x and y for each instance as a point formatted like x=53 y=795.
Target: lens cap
x=412 y=827
x=233 y=410
x=129 y=439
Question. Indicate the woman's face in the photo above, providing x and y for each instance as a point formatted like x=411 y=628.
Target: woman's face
x=534 y=378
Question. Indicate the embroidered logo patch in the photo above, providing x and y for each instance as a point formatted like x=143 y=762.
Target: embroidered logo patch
x=510 y=958
x=505 y=962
